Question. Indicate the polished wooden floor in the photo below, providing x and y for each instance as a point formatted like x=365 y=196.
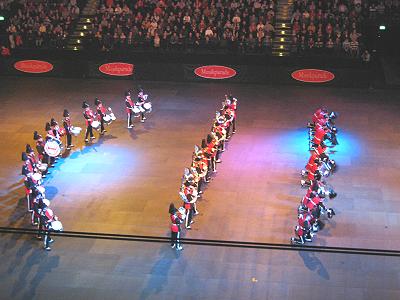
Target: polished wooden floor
x=123 y=183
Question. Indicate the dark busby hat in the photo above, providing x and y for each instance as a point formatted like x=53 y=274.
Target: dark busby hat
x=47 y=127
x=209 y=138
x=36 y=136
x=172 y=209
x=203 y=143
x=28 y=149
x=65 y=113
x=84 y=104
x=127 y=93
x=96 y=101
x=53 y=122
x=24 y=157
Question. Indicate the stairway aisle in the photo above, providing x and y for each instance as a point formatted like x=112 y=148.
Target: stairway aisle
x=283 y=29
x=83 y=25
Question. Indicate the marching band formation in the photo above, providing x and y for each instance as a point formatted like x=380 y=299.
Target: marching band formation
x=36 y=166
x=322 y=132
x=204 y=163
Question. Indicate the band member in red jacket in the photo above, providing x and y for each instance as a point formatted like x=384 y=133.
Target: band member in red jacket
x=176 y=221
x=139 y=103
x=39 y=146
x=89 y=118
x=28 y=171
x=101 y=112
x=47 y=216
x=67 y=127
x=50 y=135
x=231 y=103
x=39 y=202
x=129 y=108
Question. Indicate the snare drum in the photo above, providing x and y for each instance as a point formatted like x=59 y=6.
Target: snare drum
x=52 y=148
x=96 y=125
x=147 y=107
x=76 y=131
x=111 y=114
x=42 y=167
x=182 y=211
x=107 y=118
x=136 y=110
x=56 y=226
x=37 y=176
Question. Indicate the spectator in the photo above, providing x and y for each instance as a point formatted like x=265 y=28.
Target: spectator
x=366 y=57
x=187 y=25
x=5 y=52
x=41 y=23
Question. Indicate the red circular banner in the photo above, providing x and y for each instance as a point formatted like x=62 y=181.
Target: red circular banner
x=215 y=72
x=313 y=75
x=33 y=66
x=116 y=69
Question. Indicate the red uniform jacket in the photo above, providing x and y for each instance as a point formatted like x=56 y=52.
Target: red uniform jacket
x=67 y=124
x=89 y=116
x=320 y=150
x=129 y=105
x=319 y=135
x=101 y=111
x=176 y=223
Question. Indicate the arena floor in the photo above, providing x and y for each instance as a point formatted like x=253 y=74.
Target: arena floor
x=124 y=182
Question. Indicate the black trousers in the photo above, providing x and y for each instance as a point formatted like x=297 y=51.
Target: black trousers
x=69 y=139
x=228 y=131
x=129 y=117
x=175 y=238
x=40 y=227
x=199 y=185
x=47 y=239
x=89 y=131
x=189 y=215
x=49 y=160
x=101 y=125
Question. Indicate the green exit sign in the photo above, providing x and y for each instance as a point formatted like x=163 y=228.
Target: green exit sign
x=2 y=18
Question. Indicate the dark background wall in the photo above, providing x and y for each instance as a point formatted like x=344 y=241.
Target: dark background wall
x=179 y=67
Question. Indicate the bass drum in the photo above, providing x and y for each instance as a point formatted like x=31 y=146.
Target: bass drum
x=148 y=107
x=52 y=148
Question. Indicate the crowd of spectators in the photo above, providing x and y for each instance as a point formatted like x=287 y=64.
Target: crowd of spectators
x=241 y=25
x=327 y=26
x=336 y=26
x=41 y=23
